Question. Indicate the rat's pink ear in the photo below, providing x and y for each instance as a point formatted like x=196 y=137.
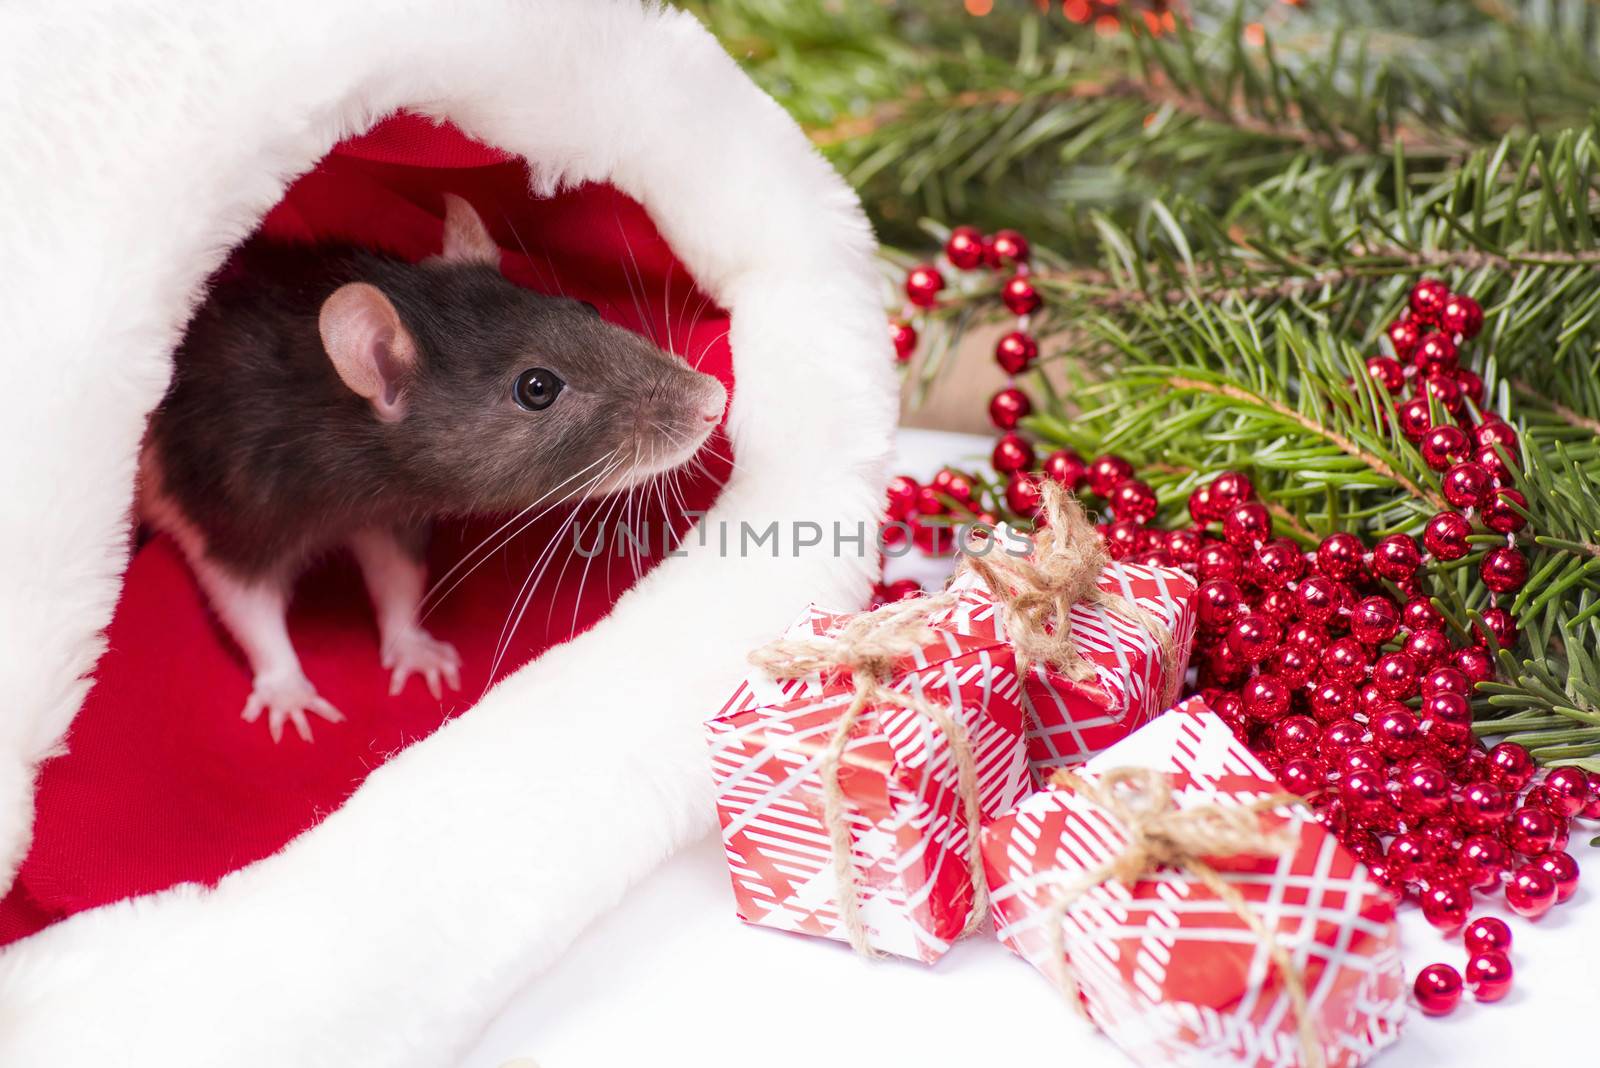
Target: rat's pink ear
x=466 y=239
x=369 y=346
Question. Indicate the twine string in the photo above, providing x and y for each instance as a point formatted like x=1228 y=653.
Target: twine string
x=1162 y=835
x=1036 y=593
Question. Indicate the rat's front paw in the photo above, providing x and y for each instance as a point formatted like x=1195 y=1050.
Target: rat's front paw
x=287 y=696
x=415 y=651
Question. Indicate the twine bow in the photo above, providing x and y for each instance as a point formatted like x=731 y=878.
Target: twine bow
x=1037 y=593
x=868 y=647
x=1160 y=834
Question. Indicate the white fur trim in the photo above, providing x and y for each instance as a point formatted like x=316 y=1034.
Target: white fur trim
x=143 y=139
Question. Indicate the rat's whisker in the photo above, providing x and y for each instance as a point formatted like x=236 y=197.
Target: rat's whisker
x=645 y=320
x=465 y=560
x=524 y=596
x=577 y=601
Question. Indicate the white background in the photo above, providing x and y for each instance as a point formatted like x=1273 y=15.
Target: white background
x=673 y=977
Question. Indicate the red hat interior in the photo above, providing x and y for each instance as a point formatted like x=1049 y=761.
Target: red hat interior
x=163 y=782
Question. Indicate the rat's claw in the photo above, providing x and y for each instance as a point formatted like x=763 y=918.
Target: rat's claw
x=286 y=699
x=416 y=652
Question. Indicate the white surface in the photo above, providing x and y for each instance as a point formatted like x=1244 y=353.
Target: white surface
x=673 y=977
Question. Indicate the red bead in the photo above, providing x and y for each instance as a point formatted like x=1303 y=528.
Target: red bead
x=1374 y=620
x=959 y=487
x=1530 y=892
x=1009 y=407
x=1339 y=737
x=1591 y=811
x=1010 y=247
x=1363 y=788
x=923 y=284
x=1482 y=806
x=964 y=248
x=902 y=495
x=1254 y=637
x=1203 y=505
x=1293 y=665
x=1396 y=557
x=1318 y=599
x=1276 y=564
x=1466 y=485
x=1461 y=315
x=1023 y=494
x=1303 y=775
x=1443 y=706
x=1500 y=511
x=1475 y=663
x=1444 y=445
x=1472 y=767
x=904 y=337
x=1019 y=295
x=1445 y=680
x=1217 y=560
x=1265 y=698
x=1333 y=701
x=1106 y=472
x=1531 y=830
x=1428 y=299
x=1483 y=857
x=1133 y=499
x=1424 y=792
x=1012 y=453
x=1492 y=431
x=1404 y=335
x=1435 y=353
x=1487 y=933
x=1447 y=905
x=1395 y=675
x=1504 y=570
x=1444 y=389
x=1420 y=614
x=1219 y=603
x=934 y=540
x=1339 y=555
x=1446 y=536
x=1387 y=373
x=1438 y=989
x=1500 y=625
x=1363 y=844
x=1246 y=524
x=1470 y=383
x=1569 y=788
x=1510 y=766
x=1429 y=648
x=1415 y=417
x=1489 y=975
x=1015 y=351
x=1279 y=604
x=1230 y=488
x=1563 y=871
x=902 y=590
x=1066 y=468
x=1123 y=538
x=1293 y=736
x=1502 y=470
x=1397 y=734
x=930 y=499
x=1307 y=636
x=1344 y=661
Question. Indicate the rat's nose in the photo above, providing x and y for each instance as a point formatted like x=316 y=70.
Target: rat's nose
x=714 y=401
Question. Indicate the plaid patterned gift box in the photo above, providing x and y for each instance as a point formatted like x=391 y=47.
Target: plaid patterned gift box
x=1069 y=722
x=910 y=878
x=1166 y=966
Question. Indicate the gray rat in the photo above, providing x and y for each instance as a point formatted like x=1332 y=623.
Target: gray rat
x=328 y=395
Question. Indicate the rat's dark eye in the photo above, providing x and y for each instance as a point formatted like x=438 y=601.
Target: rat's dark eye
x=537 y=389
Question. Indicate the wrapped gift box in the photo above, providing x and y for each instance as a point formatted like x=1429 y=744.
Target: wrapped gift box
x=899 y=778
x=1069 y=722
x=1170 y=972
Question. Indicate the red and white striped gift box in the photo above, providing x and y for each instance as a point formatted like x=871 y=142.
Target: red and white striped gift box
x=1167 y=971
x=899 y=779
x=1070 y=722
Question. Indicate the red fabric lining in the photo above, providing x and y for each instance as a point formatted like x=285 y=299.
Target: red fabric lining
x=164 y=783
